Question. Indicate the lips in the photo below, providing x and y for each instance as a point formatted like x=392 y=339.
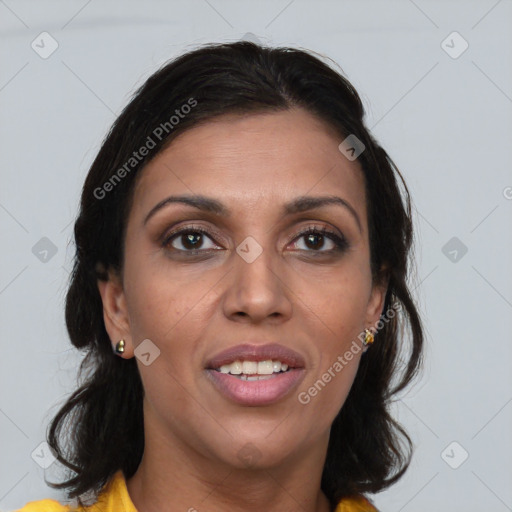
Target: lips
x=263 y=390
x=250 y=352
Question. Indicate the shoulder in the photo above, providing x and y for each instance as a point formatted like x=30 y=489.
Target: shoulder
x=113 y=498
x=44 y=506
x=355 y=504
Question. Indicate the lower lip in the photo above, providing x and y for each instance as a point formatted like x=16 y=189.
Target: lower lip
x=256 y=392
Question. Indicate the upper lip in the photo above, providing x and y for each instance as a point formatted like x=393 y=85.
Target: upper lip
x=252 y=352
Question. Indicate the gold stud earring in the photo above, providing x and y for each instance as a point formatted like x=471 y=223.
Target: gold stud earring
x=368 y=337
x=120 y=347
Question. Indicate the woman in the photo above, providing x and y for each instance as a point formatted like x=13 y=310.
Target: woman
x=240 y=291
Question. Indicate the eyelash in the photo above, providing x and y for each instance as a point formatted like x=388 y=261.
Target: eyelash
x=340 y=242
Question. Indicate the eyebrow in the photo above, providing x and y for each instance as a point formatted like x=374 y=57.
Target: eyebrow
x=297 y=205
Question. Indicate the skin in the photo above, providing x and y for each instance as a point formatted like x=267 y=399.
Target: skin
x=192 y=307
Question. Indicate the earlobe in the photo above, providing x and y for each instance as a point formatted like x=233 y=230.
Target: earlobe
x=115 y=314
x=373 y=313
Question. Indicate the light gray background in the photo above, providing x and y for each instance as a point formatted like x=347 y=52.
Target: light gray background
x=446 y=121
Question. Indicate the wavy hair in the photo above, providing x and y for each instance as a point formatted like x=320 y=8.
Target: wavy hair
x=368 y=450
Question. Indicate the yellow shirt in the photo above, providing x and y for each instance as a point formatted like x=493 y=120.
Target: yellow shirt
x=115 y=498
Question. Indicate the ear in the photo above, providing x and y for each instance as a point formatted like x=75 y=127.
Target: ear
x=377 y=298
x=115 y=313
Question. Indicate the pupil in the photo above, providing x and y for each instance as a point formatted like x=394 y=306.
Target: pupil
x=189 y=240
x=310 y=240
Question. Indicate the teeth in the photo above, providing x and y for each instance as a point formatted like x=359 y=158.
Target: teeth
x=235 y=368
x=256 y=377
x=249 y=367
x=256 y=368
x=265 y=368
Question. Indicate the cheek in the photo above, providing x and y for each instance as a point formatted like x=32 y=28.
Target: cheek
x=171 y=315
x=337 y=301
x=160 y=300
x=335 y=313
x=172 y=309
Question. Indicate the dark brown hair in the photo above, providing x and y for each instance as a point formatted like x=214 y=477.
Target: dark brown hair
x=368 y=450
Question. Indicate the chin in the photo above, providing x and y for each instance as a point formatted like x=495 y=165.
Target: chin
x=257 y=452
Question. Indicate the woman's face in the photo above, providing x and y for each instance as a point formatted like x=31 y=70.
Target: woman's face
x=239 y=278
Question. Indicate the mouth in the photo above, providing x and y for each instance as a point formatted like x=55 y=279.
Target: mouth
x=255 y=375
x=254 y=370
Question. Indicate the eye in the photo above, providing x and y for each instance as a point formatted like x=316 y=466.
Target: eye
x=315 y=240
x=194 y=240
x=191 y=239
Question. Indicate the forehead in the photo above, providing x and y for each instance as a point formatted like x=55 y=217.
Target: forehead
x=252 y=161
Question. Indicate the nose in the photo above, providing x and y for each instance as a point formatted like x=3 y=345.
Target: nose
x=258 y=290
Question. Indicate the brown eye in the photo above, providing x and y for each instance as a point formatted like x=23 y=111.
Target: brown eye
x=189 y=240
x=315 y=240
